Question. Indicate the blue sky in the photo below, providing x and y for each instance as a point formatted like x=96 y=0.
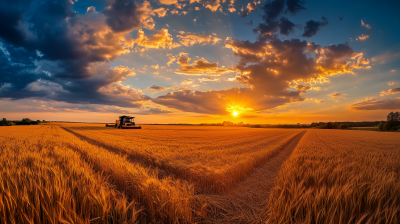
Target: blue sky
x=84 y=60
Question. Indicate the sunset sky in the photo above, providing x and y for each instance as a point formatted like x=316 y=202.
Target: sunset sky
x=197 y=61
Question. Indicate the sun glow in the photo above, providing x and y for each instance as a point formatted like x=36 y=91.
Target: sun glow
x=235 y=113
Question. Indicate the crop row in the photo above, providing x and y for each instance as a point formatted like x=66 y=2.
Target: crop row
x=41 y=181
x=62 y=194
x=213 y=159
x=339 y=177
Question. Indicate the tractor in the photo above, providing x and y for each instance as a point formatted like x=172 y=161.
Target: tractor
x=125 y=122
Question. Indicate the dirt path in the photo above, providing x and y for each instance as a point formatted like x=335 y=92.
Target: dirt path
x=245 y=202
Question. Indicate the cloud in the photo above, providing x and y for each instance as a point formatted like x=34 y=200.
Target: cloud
x=57 y=106
x=391 y=83
x=337 y=95
x=386 y=57
x=285 y=26
x=151 y=110
x=213 y=5
x=251 y=6
x=274 y=9
x=126 y=15
x=208 y=79
x=171 y=58
x=156 y=88
x=390 y=91
x=375 y=104
x=304 y=88
x=267 y=69
x=366 y=25
x=189 y=39
x=221 y=101
x=76 y=50
x=312 y=27
x=160 y=40
x=168 y=2
x=161 y=12
x=155 y=66
x=363 y=37
x=200 y=67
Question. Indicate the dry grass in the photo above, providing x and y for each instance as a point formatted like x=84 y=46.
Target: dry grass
x=339 y=177
x=193 y=153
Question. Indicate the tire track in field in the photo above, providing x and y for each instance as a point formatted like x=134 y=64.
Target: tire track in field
x=164 y=170
x=162 y=173
x=251 y=195
x=130 y=158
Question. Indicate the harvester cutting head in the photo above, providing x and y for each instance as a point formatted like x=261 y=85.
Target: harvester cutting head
x=126 y=122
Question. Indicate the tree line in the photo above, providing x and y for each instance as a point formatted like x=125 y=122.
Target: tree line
x=392 y=122
x=24 y=121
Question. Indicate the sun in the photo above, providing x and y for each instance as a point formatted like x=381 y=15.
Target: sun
x=235 y=113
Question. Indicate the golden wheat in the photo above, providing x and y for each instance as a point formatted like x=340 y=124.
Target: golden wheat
x=86 y=173
x=41 y=181
x=339 y=176
x=213 y=158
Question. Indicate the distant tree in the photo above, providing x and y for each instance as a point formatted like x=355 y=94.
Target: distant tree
x=335 y=125
x=392 y=122
x=393 y=117
x=4 y=122
x=344 y=126
x=381 y=126
x=329 y=125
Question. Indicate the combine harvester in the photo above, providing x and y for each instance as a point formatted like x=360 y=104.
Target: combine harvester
x=124 y=122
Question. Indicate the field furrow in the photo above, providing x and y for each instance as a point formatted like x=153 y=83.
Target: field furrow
x=246 y=200
x=339 y=176
x=41 y=181
x=201 y=164
x=165 y=200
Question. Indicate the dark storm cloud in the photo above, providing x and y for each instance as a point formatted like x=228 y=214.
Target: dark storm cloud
x=312 y=27
x=273 y=10
x=75 y=52
x=285 y=26
x=122 y=15
x=294 y=6
x=10 y=16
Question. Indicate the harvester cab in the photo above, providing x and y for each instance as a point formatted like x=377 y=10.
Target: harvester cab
x=126 y=122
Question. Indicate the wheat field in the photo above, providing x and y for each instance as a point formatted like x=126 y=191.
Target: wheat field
x=339 y=176
x=87 y=173
x=193 y=153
